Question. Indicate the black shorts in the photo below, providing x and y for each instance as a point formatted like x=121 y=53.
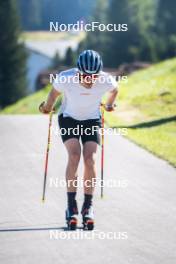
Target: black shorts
x=87 y=130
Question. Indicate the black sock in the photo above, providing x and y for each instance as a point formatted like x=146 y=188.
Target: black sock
x=87 y=200
x=71 y=199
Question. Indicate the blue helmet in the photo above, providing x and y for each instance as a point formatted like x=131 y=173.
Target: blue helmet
x=89 y=62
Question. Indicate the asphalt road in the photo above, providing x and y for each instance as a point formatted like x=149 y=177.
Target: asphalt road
x=135 y=222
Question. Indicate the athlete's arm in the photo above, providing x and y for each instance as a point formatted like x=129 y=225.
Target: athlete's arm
x=109 y=105
x=47 y=106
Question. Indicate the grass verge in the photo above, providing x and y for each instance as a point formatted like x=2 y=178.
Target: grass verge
x=29 y=104
x=147 y=107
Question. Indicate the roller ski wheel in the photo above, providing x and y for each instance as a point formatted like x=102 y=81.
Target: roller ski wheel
x=88 y=224
x=71 y=219
x=88 y=218
x=72 y=223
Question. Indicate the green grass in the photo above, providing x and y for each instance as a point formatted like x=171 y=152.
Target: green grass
x=160 y=140
x=150 y=96
x=29 y=104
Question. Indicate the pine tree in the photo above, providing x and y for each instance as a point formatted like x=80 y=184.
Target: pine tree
x=65 y=11
x=56 y=61
x=167 y=16
x=97 y=39
x=69 y=57
x=137 y=43
x=167 y=28
x=143 y=19
x=118 y=43
x=30 y=13
x=12 y=56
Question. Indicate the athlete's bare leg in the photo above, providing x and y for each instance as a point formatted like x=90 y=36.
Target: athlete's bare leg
x=74 y=152
x=89 y=153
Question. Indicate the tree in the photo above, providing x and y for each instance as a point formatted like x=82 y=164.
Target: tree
x=65 y=11
x=137 y=43
x=56 y=61
x=12 y=56
x=30 y=13
x=166 y=21
x=36 y=14
x=117 y=49
x=69 y=57
x=113 y=46
x=143 y=19
x=97 y=39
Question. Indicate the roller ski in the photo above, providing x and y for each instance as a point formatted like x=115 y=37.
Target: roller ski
x=88 y=218
x=72 y=218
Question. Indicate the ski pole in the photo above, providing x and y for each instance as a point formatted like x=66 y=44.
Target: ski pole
x=102 y=147
x=47 y=155
x=102 y=150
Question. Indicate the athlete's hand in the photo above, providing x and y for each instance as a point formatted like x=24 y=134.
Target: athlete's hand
x=44 y=109
x=109 y=108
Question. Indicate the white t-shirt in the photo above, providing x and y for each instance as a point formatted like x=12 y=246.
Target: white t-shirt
x=79 y=102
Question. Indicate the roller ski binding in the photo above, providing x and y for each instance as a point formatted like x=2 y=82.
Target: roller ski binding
x=88 y=218
x=71 y=218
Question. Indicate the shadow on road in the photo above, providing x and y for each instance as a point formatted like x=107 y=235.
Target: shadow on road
x=23 y=229
x=153 y=123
